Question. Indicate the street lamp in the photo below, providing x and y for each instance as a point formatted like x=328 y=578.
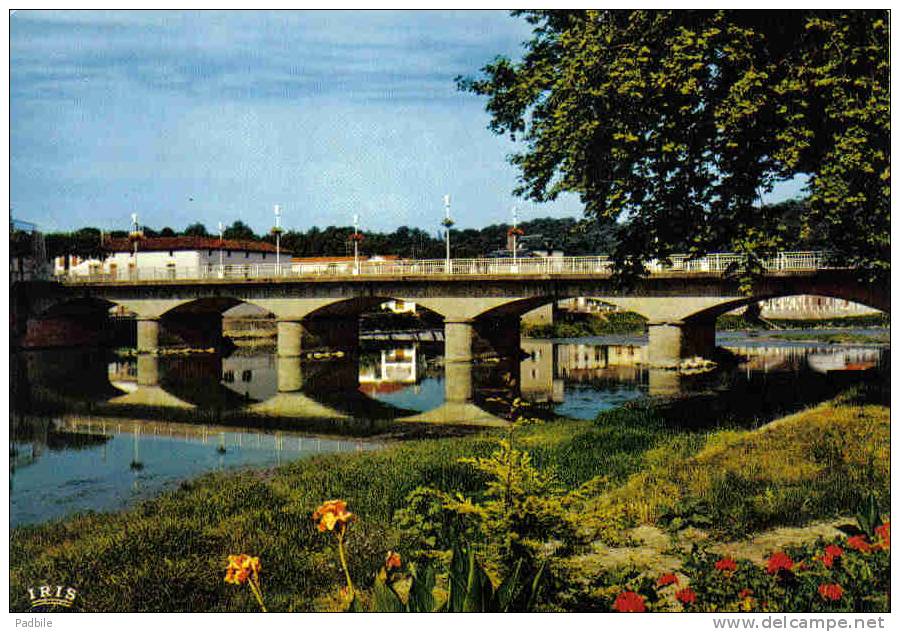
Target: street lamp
x=447 y=222
x=277 y=232
x=135 y=236
x=221 y=250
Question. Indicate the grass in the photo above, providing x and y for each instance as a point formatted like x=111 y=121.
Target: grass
x=168 y=554
x=815 y=464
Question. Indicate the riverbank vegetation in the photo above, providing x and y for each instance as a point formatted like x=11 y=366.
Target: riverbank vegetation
x=738 y=321
x=579 y=325
x=584 y=482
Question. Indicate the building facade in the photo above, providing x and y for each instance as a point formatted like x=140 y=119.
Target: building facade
x=162 y=254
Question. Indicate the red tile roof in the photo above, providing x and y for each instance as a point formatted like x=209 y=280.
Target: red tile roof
x=154 y=244
x=341 y=259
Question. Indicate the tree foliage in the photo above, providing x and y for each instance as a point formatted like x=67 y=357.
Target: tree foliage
x=239 y=230
x=196 y=230
x=672 y=125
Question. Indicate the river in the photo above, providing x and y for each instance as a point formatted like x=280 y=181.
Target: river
x=91 y=431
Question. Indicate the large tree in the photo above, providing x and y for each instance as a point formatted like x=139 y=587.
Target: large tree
x=672 y=125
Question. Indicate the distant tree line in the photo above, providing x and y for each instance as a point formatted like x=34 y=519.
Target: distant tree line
x=571 y=236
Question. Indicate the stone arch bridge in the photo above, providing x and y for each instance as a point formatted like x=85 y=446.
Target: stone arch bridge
x=481 y=304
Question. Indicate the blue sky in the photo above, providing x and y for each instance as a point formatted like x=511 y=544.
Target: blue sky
x=206 y=116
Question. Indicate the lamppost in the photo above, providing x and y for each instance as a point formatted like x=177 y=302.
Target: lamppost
x=135 y=236
x=221 y=250
x=448 y=223
x=277 y=232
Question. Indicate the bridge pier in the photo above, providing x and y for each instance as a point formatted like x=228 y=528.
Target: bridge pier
x=290 y=340
x=148 y=370
x=458 y=387
x=289 y=373
x=458 y=337
x=671 y=342
x=147 y=335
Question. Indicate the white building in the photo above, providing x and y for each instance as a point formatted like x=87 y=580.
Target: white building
x=164 y=255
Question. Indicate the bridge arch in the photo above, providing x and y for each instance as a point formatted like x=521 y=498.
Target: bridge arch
x=67 y=321
x=710 y=314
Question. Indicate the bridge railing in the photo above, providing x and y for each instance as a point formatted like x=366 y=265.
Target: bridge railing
x=717 y=263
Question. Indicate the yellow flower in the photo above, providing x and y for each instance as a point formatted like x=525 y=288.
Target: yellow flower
x=241 y=567
x=331 y=514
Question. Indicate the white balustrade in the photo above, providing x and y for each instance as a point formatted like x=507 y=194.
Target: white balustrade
x=716 y=263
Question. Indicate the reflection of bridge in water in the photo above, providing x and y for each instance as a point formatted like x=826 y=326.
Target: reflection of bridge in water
x=291 y=388
x=224 y=437
x=268 y=388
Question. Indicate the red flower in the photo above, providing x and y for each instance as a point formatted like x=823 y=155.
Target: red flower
x=686 y=596
x=745 y=592
x=832 y=552
x=667 y=579
x=779 y=561
x=884 y=534
x=726 y=564
x=859 y=543
x=831 y=592
x=628 y=601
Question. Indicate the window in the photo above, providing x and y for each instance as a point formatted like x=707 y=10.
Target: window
x=227 y=253
x=209 y=254
x=171 y=253
x=264 y=256
x=247 y=255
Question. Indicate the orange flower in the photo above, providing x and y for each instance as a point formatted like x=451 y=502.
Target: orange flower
x=831 y=592
x=884 y=534
x=726 y=564
x=686 y=596
x=393 y=560
x=859 y=543
x=667 y=579
x=779 y=562
x=628 y=601
x=331 y=514
x=241 y=567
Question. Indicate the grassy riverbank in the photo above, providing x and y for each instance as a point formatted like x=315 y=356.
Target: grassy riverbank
x=737 y=321
x=168 y=553
x=832 y=338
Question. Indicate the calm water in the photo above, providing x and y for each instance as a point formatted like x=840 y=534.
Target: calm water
x=91 y=431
